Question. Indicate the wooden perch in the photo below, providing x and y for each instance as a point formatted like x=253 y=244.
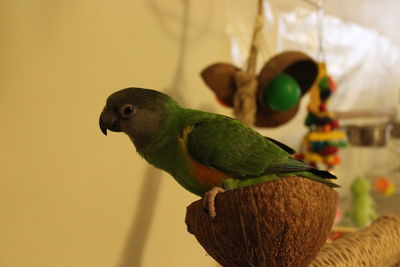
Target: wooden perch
x=375 y=246
x=279 y=223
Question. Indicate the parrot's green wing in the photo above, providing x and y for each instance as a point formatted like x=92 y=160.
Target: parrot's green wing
x=228 y=145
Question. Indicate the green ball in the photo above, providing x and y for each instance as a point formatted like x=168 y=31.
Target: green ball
x=282 y=93
x=324 y=83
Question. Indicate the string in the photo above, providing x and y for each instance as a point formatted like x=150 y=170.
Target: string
x=245 y=99
x=252 y=59
x=320 y=5
x=320 y=26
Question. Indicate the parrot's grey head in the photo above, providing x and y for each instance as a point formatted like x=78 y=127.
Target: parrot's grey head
x=138 y=112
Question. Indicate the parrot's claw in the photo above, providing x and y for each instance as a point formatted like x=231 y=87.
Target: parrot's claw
x=209 y=200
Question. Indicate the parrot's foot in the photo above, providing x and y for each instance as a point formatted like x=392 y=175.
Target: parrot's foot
x=209 y=198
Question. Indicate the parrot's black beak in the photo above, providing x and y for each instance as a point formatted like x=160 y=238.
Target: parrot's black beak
x=108 y=122
x=103 y=127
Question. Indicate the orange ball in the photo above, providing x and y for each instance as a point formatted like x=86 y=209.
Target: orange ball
x=381 y=184
x=326 y=128
x=332 y=84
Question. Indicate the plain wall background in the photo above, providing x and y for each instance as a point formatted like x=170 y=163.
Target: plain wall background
x=68 y=195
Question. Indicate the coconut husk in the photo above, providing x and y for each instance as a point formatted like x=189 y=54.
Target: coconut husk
x=220 y=78
x=279 y=223
x=297 y=65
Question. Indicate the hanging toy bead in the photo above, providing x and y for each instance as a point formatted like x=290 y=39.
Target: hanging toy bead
x=313 y=164
x=317 y=146
x=332 y=84
x=313 y=157
x=336 y=160
x=324 y=83
x=325 y=94
x=335 y=124
x=332 y=160
x=322 y=121
x=329 y=150
x=326 y=128
x=282 y=93
x=299 y=156
x=310 y=120
x=340 y=144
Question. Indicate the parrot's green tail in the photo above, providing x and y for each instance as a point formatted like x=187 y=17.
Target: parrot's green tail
x=311 y=175
x=230 y=183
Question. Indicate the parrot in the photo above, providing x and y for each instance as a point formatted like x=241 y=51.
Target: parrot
x=206 y=153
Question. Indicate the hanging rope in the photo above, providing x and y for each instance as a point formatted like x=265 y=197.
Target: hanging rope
x=320 y=24
x=245 y=99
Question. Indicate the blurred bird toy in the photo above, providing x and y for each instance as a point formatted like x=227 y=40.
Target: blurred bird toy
x=362 y=205
x=384 y=186
x=269 y=98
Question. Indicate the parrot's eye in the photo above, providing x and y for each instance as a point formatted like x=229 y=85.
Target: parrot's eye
x=127 y=110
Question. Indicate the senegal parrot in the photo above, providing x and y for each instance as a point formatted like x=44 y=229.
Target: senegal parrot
x=206 y=153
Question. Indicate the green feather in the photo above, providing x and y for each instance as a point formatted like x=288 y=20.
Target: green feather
x=218 y=142
x=249 y=158
x=228 y=145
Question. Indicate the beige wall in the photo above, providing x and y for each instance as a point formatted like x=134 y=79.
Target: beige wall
x=68 y=195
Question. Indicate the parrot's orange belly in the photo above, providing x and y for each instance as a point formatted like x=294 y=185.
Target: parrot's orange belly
x=205 y=175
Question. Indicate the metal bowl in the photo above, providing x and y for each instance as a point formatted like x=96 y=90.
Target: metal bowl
x=368 y=135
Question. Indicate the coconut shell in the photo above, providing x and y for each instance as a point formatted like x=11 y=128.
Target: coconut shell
x=296 y=64
x=279 y=223
x=266 y=117
x=219 y=77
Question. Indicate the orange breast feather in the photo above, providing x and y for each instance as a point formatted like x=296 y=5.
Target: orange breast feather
x=205 y=175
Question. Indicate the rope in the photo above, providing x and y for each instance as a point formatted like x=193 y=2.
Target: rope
x=245 y=100
x=320 y=25
x=375 y=246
